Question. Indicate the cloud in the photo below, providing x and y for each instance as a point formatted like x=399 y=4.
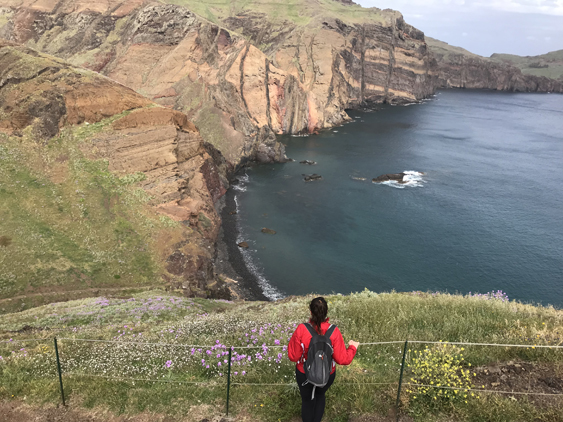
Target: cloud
x=546 y=7
x=524 y=27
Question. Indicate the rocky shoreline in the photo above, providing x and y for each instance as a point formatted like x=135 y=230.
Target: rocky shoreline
x=226 y=89
x=229 y=263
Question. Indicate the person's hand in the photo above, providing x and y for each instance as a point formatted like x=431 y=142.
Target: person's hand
x=354 y=343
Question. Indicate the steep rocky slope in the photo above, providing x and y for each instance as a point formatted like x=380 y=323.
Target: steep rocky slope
x=41 y=99
x=244 y=71
x=458 y=68
x=285 y=67
x=241 y=71
x=549 y=65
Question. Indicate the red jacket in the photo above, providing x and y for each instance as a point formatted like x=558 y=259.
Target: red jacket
x=299 y=347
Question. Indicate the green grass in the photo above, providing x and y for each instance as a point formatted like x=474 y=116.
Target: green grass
x=5 y=17
x=444 y=50
x=70 y=223
x=299 y=12
x=366 y=316
x=549 y=65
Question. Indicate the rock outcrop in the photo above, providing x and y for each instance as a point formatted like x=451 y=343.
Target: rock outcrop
x=196 y=97
x=549 y=65
x=168 y=54
x=240 y=82
x=312 y=177
x=30 y=98
x=397 y=177
x=248 y=74
x=458 y=68
x=39 y=95
x=345 y=64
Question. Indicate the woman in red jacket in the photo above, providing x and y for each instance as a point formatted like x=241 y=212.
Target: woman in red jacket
x=312 y=409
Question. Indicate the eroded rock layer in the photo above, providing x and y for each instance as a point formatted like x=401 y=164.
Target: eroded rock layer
x=240 y=85
x=39 y=95
x=458 y=68
x=241 y=77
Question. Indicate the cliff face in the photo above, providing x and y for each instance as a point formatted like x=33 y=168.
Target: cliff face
x=458 y=68
x=241 y=76
x=344 y=65
x=250 y=74
x=239 y=85
x=165 y=52
x=184 y=176
x=549 y=65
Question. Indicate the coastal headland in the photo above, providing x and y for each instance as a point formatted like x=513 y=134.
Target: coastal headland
x=208 y=90
x=122 y=127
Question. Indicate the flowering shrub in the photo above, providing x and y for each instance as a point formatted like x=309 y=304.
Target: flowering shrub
x=498 y=295
x=439 y=375
x=29 y=357
x=102 y=311
x=492 y=295
x=175 y=351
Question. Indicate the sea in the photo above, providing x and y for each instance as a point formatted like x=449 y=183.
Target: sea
x=481 y=209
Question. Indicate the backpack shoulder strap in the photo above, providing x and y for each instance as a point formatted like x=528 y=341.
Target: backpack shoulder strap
x=330 y=331
x=311 y=329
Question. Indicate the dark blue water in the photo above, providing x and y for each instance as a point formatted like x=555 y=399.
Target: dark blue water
x=487 y=215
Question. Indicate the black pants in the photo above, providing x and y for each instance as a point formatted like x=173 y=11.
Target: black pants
x=312 y=410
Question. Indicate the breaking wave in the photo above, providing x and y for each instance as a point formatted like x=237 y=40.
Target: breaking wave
x=241 y=185
x=410 y=179
x=269 y=291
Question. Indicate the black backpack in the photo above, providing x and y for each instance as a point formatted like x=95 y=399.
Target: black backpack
x=319 y=358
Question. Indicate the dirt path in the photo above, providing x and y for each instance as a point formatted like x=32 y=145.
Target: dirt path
x=16 y=411
x=94 y=290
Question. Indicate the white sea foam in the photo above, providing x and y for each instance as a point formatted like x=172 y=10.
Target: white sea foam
x=241 y=185
x=410 y=179
x=269 y=291
x=305 y=135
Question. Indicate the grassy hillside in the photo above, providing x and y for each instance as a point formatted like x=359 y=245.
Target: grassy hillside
x=299 y=12
x=444 y=50
x=68 y=224
x=549 y=65
x=145 y=369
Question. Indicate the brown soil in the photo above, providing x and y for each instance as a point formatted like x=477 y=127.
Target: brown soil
x=155 y=117
x=15 y=411
x=87 y=292
x=523 y=377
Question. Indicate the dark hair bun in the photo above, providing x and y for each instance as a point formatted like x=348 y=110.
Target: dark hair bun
x=319 y=311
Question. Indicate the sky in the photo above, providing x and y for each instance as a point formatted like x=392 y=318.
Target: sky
x=484 y=27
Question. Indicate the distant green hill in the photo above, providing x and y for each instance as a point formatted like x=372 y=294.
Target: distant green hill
x=443 y=50
x=550 y=64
